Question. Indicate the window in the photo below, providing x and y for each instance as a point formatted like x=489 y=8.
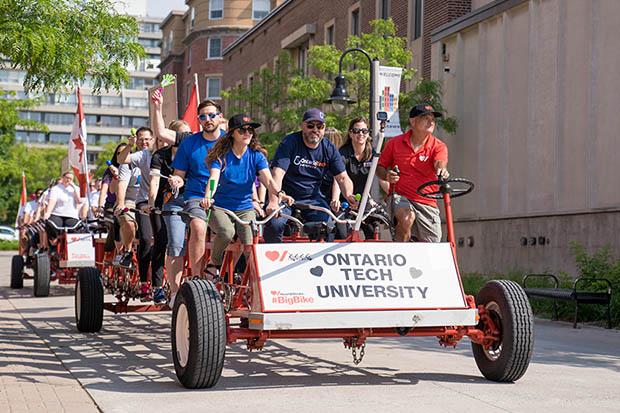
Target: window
x=57 y=137
x=170 y=42
x=189 y=58
x=260 y=8
x=355 y=22
x=192 y=16
x=153 y=43
x=111 y=101
x=417 y=19
x=90 y=100
x=190 y=85
x=213 y=87
x=301 y=59
x=216 y=9
x=329 y=35
x=215 y=48
x=59 y=118
x=108 y=121
x=383 y=9
x=29 y=136
x=35 y=116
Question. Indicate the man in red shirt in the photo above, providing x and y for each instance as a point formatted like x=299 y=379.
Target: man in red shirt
x=420 y=158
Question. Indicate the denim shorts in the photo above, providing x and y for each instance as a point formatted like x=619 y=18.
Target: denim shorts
x=175 y=228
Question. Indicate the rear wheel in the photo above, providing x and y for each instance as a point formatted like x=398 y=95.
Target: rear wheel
x=42 y=275
x=89 y=300
x=508 y=314
x=198 y=334
x=17 y=271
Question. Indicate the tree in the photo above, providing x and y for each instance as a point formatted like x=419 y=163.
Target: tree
x=426 y=91
x=381 y=43
x=59 y=42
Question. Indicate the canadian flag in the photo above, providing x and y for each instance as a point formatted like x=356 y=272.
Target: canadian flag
x=191 y=112
x=77 y=147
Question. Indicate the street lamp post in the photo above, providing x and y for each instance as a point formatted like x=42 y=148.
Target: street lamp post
x=339 y=99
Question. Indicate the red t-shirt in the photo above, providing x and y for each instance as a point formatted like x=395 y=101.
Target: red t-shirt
x=416 y=167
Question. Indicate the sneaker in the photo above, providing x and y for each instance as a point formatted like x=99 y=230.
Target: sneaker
x=145 y=293
x=159 y=297
x=212 y=273
x=127 y=259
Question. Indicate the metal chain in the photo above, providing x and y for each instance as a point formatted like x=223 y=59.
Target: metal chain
x=357 y=360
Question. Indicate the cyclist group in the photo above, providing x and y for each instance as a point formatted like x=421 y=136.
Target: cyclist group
x=171 y=167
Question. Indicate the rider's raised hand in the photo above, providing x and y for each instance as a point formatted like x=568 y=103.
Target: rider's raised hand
x=157 y=99
x=132 y=140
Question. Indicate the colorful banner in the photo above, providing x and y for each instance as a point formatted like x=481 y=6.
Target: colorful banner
x=389 y=90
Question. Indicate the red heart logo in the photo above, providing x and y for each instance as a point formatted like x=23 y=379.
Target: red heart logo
x=274 y=292
x=272 y=255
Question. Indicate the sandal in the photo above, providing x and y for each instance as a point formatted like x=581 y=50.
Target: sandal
x=212 y=273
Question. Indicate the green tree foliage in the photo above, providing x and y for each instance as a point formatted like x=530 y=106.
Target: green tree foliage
x=104 y=156
x=40 y=165
x=59 y=42
x=381 y=43
x=426 y=91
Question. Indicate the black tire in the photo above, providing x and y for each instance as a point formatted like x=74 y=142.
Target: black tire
x=510 y=310
x=198 y=334
x=42 y=275
x=17 y=271
x=89 y=300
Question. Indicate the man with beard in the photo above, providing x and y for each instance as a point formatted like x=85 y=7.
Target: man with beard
x=301 y=160
x=191 y=171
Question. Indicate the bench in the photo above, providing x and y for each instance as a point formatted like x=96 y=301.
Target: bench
x=570 y=294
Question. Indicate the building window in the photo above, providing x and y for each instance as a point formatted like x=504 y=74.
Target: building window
x=383 y=9
x=216 y=9
x=302 y=54
x=190 y=85
x=329 y=35
x=170 y=42
x=192 y=15
x=214 y=85
x=215 y=48
x=355 y=22
x=60 y=138
x=189 y=58
x=417 y=18
x=260 y=8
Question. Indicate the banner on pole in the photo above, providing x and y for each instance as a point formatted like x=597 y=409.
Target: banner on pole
x=389 y=86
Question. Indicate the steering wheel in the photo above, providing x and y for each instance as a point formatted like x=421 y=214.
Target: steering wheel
x=445 y=188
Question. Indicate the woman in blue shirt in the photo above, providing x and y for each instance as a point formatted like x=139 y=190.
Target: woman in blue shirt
x=234 y=161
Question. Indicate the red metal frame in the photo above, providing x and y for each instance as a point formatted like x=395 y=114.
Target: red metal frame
x=247 y=298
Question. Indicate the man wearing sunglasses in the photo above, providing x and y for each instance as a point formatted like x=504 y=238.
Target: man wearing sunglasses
x=298 y=167
x=191 y=171
x=419 y=158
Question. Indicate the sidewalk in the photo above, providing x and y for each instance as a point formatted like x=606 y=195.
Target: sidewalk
x=32 y=379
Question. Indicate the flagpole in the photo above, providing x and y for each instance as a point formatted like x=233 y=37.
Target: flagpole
x=85 y=154
x=197 y=89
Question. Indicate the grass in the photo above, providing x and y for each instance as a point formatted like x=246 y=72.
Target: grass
x=9 y=245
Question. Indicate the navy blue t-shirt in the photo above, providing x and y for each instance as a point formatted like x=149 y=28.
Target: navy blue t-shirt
x=306 y=167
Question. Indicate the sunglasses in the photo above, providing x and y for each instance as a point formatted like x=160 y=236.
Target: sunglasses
x=247 y=129
x=358 y=130
x=319 y=126
x=210 y=115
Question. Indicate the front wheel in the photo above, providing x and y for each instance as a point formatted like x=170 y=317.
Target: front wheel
x=509 y=319
x=89 y=300
x=42 y=275
x=17 y=271
x=198 y=334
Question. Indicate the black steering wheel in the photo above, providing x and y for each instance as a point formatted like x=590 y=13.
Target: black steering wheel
x=445 y=188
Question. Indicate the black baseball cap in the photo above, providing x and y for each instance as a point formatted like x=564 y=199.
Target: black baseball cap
x=423 y=109
x=240 y=120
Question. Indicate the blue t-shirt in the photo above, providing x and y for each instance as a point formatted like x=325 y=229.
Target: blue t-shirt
x=305 y=167
x=234 y=190
x=190 y=158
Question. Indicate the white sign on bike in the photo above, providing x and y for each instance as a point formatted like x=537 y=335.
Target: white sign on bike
x=80 y=247
x=358 y=276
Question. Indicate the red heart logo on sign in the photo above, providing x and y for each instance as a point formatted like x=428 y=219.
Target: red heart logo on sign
x=272 y=255
x=274 y=292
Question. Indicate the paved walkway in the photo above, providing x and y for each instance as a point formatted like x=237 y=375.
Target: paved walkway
x=32 y=379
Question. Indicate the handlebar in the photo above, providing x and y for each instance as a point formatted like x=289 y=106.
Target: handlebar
x=303 y=206
x=77 y=224
x=249 y=223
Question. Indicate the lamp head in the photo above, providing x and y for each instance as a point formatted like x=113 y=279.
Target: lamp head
x=339 y=97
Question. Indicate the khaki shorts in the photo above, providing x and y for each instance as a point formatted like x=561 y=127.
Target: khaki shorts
x=427 y=224
x=224 y=228
x=128 y=216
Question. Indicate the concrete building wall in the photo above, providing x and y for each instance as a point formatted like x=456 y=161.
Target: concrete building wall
x=534 y=87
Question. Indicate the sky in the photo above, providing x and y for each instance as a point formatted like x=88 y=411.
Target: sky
x=161 y=8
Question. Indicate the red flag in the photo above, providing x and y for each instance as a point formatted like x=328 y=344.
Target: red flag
x=77 y=147
x=190 y=116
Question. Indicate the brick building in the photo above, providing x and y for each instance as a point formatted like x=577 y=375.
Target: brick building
x=193 y=40
x=298 y=25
